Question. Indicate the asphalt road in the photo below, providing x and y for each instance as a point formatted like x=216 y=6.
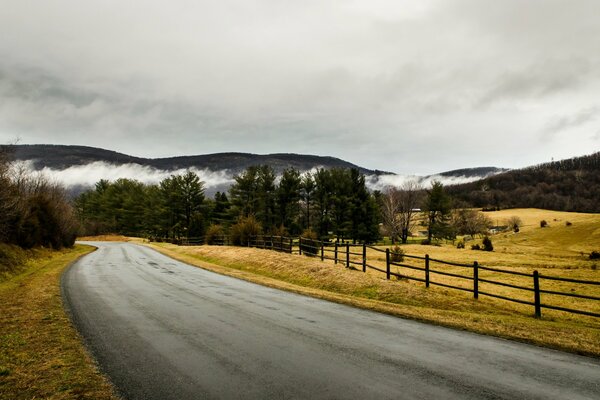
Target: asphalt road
x=161 y=329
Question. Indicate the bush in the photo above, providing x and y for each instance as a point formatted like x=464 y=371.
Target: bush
x=475 y=247
x=425 y=242
x=460 y=245
x=514 y=223
x=245 y=230
x=595 y=255
x=543 y=223
x=396 y=254
x=568 y=223
x=310 y=245
x=214 y=234
x=487 y=244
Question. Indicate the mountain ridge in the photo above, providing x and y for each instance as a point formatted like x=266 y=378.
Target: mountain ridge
x=65 y=156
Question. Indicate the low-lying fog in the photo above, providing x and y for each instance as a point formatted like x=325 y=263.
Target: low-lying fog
x=81 y=177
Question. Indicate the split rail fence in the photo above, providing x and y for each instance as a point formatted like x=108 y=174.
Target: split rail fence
x=523 y=288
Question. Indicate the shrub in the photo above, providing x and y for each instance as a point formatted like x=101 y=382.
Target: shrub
x=214 y=234
x=487 y=244
x=543 y=223
x=425 y=242
x=475 y=247
x=568 y=223
x=310 y=245
x=595 y=255
x=514 y=223
x=279 y=231
x=460 y=245
x=245 y=230
x=396 y=254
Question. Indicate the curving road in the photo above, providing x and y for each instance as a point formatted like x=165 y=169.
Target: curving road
x=161 y=329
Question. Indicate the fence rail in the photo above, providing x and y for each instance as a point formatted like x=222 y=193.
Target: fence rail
x=346 y=254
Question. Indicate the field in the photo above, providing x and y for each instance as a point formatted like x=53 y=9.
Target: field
x=41 y=354
x=557 y=250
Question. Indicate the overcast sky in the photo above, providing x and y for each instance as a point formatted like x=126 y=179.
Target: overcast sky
x=404 y=86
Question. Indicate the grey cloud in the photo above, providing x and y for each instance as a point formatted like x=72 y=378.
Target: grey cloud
x=566 y=122
x=403 y=86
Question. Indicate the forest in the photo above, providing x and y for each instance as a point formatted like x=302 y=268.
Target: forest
x=327 y=202
x=566 y=185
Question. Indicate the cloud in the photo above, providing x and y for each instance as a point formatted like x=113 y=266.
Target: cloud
x=383 y=84
x=382 y=181
x=89 y=174
x=567 y=122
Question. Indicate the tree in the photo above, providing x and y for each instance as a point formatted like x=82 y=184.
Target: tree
x=288 y=200
x=398 y=209
x=183 y=196
x=437 y=209
x=244 y=192
x=322 y=200
x=514 y=223
x=390 y=210
x=307 y=188
x=467 y=221
x=411 y=193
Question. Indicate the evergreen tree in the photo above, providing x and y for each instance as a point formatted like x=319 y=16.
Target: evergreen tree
x=288 y=200
x=437 y=209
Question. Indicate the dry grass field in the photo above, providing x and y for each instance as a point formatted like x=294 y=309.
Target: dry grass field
x=41 y=354
x=554 y=251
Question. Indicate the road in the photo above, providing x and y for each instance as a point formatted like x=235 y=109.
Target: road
x=161 y=329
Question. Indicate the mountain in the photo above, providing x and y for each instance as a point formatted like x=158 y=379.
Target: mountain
x=60 y=157
x=567 y=185
x=80 y=167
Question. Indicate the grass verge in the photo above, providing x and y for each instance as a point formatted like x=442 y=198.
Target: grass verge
x=325 y=280
x=41 y=354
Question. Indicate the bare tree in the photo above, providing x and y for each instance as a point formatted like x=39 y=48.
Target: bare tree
x=514 y=223
x=468 y=221
x=390 y=211
x=399 y=208
x=411 y=193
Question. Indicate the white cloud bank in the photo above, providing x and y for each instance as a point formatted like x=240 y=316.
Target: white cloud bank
x=89 y=174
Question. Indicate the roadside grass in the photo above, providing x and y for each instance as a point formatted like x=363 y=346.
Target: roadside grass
x=41 y=353
x=308 y=275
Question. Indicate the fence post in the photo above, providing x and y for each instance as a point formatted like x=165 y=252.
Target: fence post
x=322 y=254
x=347 y=255
x=335 y=253
x=291 y=245
x=426 y=270
x=364 y=261
x=475 y=280
x=536 y=291
x=300 y=245
x=387 y=263
x=280 y=243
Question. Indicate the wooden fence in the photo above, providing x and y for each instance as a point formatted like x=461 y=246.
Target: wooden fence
x=467 y=277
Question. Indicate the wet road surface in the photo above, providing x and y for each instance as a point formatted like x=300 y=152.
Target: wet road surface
x=161 y=329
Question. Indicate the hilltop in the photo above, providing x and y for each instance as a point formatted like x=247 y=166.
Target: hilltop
x=61 y=157
x=567 y=185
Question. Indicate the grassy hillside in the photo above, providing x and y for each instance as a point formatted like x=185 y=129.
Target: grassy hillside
x=557 y=246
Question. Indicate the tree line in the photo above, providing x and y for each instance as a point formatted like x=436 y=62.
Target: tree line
x=325 y=203
x=33 y=211
x=567 y=185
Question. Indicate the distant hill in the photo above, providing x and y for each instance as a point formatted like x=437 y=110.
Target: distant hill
x=62 y=157
x=566 y=185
